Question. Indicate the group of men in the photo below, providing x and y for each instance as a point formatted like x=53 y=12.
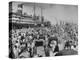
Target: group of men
x=34 y=42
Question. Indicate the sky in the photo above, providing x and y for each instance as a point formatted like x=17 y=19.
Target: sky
x=52 y=12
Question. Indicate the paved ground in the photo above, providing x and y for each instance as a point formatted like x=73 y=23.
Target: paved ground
x=67 y=52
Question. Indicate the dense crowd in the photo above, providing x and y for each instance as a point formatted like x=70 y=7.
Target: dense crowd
x=43 y=41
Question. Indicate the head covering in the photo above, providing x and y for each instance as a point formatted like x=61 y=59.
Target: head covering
x=53 y=38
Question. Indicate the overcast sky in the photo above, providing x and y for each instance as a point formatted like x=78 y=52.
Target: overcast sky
x=52 y=12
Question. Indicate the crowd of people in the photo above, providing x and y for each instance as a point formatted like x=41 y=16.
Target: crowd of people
x=43 y=41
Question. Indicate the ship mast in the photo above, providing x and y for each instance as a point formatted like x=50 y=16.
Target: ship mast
x=34 y=12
